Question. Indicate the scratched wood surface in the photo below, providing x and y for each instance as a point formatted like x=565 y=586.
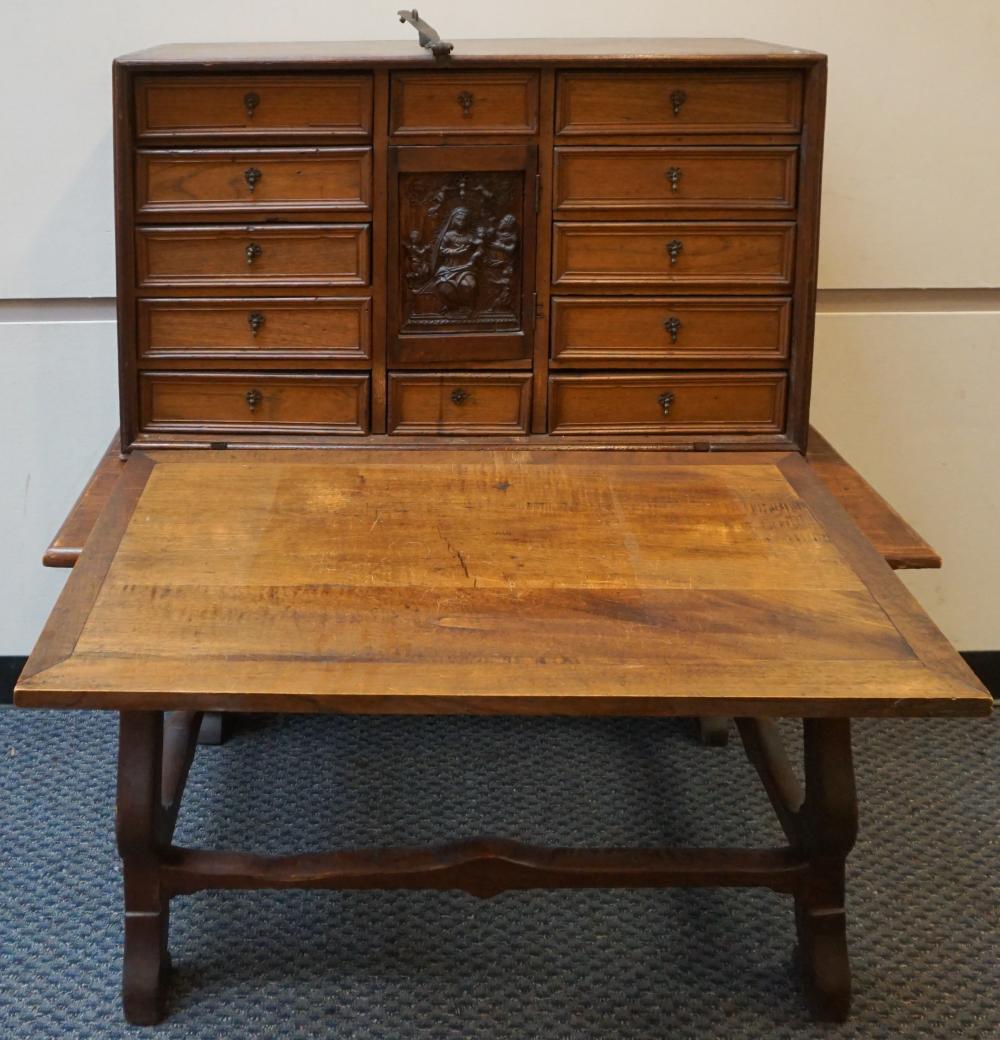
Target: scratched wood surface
x=528 y=582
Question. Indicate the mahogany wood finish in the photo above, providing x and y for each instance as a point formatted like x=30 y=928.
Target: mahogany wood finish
x=485 y=203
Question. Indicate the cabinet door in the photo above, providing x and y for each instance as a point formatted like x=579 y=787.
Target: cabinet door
x=461 y=255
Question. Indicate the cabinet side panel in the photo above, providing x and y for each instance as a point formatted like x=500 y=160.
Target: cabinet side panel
x=807 y=253
x=124 y=145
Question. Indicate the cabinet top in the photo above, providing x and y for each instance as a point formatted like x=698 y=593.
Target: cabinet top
x=606 y=50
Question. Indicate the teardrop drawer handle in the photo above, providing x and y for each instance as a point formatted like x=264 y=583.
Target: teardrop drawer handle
x=459 y=395
x=674 y=176
x=253 y=251
x=256 y=322
x=465 y=99
x=253 y=177
x=677 y=99
x=251 y=99
x=253 y=398
x=665 y=400
x=674 y=250
x=673 y=325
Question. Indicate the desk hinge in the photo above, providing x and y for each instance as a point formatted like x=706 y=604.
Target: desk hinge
x=538 y=192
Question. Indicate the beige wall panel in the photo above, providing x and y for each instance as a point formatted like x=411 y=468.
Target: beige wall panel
x=913 y=151
x=911 y=400
x=60 y=409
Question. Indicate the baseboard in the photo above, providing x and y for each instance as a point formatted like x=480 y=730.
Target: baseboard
x=985 y=663
x=10 y=669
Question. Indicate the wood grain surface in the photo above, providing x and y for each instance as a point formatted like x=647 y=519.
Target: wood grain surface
x=489 y=582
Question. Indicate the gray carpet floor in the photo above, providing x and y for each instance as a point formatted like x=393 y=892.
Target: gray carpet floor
x=924 y=899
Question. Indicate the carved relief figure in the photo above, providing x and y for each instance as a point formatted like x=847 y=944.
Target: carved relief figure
x=461 y=244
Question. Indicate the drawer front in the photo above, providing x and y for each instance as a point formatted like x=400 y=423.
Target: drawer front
x=253 y=403
x=690 y=254
x=625 y=179
x=464 y=103
x=669 y=332
x=459 y=403
x=217 y=181
x=253 y=107
x=725 y=403
x=303 y=255
x=678 y=102
x=255 y=329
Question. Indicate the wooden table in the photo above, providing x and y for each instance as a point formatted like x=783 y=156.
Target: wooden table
x=516 y=582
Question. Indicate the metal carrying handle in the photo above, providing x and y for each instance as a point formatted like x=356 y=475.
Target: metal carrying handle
x=427 y=35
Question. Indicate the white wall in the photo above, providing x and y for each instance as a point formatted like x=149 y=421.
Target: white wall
x=910 y=203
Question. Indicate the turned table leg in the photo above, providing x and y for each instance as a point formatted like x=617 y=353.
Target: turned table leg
x=827 y=831
x=153 y=763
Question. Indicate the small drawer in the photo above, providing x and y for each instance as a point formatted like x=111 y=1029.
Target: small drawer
x=731 y=402
x=623 y=179
x=459 y=403
x=678 y=103
x=247 y=181
x=710 y=255
x=255 y=107
x=290 y=255
x=464 y=103
x=669 y=332
x=252 y=403
x=336 y=329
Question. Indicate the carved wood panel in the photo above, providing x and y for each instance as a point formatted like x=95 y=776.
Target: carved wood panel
x=461 y=255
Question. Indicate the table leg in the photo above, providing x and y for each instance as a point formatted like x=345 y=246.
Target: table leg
x=714 y=730
x=147 y=909
x=153 y=764
x=213 y=728
x=828 y=828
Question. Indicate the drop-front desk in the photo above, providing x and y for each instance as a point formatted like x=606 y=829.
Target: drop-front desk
x=477 y=381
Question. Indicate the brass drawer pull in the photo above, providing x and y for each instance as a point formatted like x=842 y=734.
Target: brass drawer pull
x=674 y=176
x=459 y=395
x=256 y=322
x=665 y=400
x=253 y=398
x=673 y=325
x=677 y=99
x=253 y=176
x=251 y=100
x=465 y=99
x=253 y=251
x=674 y=249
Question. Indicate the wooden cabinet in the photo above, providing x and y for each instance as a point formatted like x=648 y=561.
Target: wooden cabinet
x=516 y=244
